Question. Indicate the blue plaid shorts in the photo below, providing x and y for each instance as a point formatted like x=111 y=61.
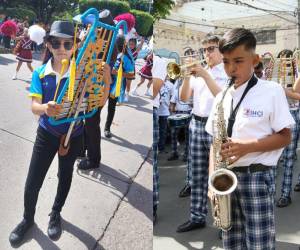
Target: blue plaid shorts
x=288 y=156
x=200 y=142
x=155 y=154
x=252 y=204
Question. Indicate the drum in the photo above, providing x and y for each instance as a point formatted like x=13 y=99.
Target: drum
x=179 y=120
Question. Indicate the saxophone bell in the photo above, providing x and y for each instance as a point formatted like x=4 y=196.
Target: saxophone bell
x=222 y=183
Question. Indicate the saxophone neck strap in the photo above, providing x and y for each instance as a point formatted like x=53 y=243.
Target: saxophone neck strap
x=252 y=82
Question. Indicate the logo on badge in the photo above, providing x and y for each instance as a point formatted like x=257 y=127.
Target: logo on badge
x=252 y=113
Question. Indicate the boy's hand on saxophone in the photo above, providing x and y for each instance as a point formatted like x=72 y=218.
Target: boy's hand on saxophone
x=234 y=149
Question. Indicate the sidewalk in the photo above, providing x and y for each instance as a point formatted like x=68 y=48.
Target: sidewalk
x=108 y=208
x=173 y=211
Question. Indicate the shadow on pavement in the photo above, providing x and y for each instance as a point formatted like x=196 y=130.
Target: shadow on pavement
x=88 y=240
x=45 y=242
x=115 y=180
x=138 y=103
x=117 y=140
x=6 y=61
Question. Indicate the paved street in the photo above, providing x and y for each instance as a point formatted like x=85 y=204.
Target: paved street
x=173 y=211
x=108 y=208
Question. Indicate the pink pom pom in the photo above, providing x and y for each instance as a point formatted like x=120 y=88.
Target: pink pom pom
x=128 y=17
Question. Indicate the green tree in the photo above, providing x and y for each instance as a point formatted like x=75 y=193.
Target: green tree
x=45 y=10
x=144 y=22
x=115 y=7
x=161 y=8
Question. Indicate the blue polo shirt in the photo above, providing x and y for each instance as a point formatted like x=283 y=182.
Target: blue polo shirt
x=128 y=67
x=43 y=86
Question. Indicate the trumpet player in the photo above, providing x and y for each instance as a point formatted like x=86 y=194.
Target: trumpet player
x=258 y=127
x=202 y=86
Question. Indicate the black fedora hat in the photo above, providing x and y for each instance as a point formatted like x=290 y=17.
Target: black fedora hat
x=62 y=29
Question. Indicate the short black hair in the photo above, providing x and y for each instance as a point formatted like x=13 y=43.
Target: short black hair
x=209 y=38
x=259 y=65
x=236 y=37
x=133 y=40
x=285 y=53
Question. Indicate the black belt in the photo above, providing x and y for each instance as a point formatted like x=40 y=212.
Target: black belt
x=252 y=168
x=200 y=119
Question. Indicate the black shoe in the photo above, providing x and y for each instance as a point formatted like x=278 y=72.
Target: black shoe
x=54 y=227
x=17 y=235
x=283 y=201
x=185 y=192
x=173 y=157
x=189 y=226
x=297 y=187
x=107 y=134
x=86 y=164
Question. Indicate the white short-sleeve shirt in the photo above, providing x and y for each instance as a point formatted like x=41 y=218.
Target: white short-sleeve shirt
x=202 y=97
x=166 y=92
x=263 y=112
x=159 y=70
x=180 y=105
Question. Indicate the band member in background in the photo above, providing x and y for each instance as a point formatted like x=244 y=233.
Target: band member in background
x=258 y=129
x=165 y=93
x=288 y=155
x=179 y=107
x=92 y=130
x=202 y=86
x=132 y=44
x=296 y=95
x=259 y=70
x=145 y=73
x=159 y=73
x=23 y=51
x=127 y=63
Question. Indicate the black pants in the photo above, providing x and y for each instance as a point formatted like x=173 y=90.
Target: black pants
x=112 y=102
x=45 y=148
x=92 y=137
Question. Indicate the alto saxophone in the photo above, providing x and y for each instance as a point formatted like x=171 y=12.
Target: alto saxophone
x=223 y=181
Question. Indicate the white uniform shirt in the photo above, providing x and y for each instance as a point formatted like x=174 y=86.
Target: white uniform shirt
x=202 y=97
x=180 y=105
x=263 y=112
x=166 y=92
x=159 y=70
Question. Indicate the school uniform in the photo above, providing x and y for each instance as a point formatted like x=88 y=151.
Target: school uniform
x=43 y=85
x=200 y=141
x=128 y=67
x=180 y=108
x=163 y=112
x=263 y=112
x=159 y=70
x=290 y=150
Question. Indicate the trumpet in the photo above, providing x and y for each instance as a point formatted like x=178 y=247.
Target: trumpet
x=175 y=70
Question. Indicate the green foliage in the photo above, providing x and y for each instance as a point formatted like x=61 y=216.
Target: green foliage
x=144 y=22
x=115 y=7
x=142 y=5
x=161 y=8
x=64 y=16
x=20 y=13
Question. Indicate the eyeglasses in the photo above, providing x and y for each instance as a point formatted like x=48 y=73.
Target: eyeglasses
x=68 y=45
x=209 y=49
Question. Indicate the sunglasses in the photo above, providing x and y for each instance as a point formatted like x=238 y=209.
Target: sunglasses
x=68 y=45
x=209 y=49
